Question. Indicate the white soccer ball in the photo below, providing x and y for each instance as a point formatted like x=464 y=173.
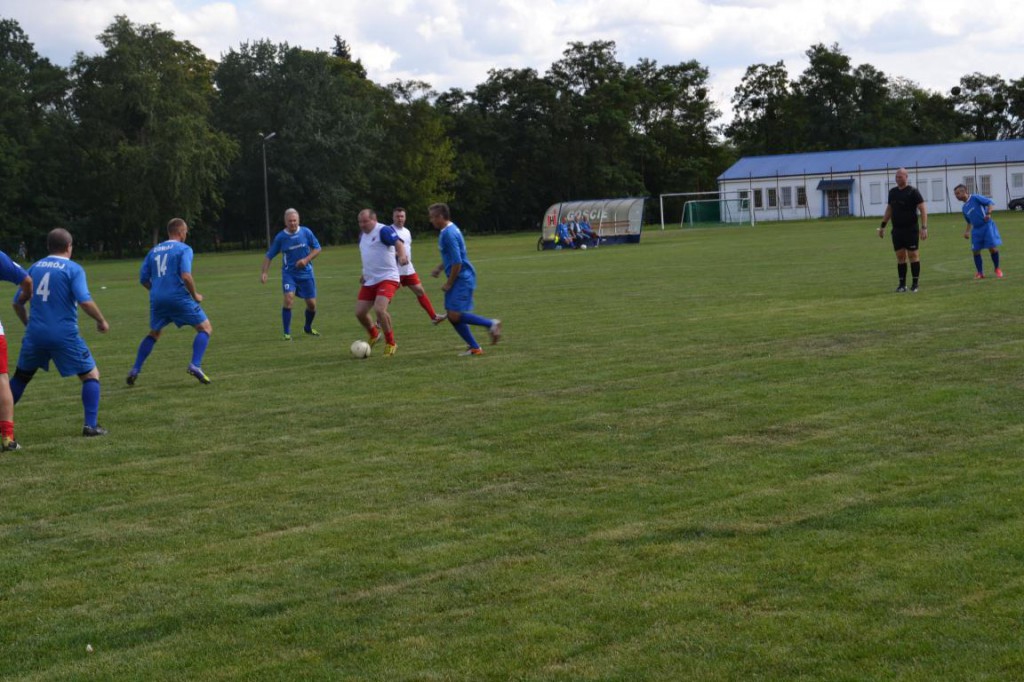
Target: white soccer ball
x=583 y=246
x=360 y=349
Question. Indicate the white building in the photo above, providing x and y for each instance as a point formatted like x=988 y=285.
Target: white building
x=857 y=182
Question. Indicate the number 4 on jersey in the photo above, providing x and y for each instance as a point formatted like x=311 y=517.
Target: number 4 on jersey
x=43 y=290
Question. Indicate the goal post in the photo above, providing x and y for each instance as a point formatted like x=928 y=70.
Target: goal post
x=706 y=209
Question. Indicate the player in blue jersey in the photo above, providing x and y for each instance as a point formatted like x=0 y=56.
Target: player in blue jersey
x=167 y=273
x=10 y=272
x=51 y=330
x=981 y=229
x=458 y=288
x=298 y=247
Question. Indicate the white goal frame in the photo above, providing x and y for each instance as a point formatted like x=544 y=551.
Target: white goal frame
x=733 y=196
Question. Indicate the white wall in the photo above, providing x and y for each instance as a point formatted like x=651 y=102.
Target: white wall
x=870 y=190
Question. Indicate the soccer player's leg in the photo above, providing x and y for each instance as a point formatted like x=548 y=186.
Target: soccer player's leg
x=306 y=289
x=74 y=358
x=7 y=440
x=385 y=292
x=145 y=348
x=458 y=301
x=30 y=359
x=288 y=288
x=199 y=344
x=364 y=304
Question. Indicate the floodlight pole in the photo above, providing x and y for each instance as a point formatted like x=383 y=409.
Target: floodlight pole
x=266 y=196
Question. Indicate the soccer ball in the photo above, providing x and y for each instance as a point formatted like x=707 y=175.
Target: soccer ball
x=360 y=349
x=583 y=246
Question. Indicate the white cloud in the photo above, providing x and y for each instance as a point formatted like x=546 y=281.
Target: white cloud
x=453 y=43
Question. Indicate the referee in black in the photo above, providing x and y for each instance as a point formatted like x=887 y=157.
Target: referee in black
x=904 y=204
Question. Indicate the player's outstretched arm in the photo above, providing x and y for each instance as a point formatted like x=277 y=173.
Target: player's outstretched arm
x=93 y=311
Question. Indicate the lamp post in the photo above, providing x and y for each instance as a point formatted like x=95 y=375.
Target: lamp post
x=266 y=197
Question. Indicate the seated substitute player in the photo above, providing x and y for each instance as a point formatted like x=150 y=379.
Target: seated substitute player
x=298 y=247
x=408 y=275
x=10 y=272
x=981 y=229
x=167 y=273
x=458 y=288
x=51 y=331
x=382 y=252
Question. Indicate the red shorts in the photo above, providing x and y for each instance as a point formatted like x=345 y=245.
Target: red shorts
x=3 y=354
x=410 y=280
x=387 y=289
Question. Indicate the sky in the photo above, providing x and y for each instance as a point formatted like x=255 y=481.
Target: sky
x=454 y=43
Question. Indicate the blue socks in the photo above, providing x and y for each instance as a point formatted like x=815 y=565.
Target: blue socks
x=199 y=348
x=145 y=348
x=463 y=330
x=995 y=259
x=470 y=318
x=286 y=320
x=977 y=262
x=310 y=314
x=91 y=400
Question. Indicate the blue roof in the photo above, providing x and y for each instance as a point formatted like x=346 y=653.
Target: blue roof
x=854 y=160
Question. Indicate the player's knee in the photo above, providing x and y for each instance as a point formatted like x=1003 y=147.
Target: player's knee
x=92 y=375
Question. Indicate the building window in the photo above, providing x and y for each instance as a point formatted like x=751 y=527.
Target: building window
x=938 y=193
x=986 y=185
x=969 y=184
x=758 y=200
x=744 y=200
x=773 y=197
x=787 y=197
x=1017 y=181
x=801 y=196
x=875 y=192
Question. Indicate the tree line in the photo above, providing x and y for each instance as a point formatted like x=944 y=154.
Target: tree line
x=118 y=142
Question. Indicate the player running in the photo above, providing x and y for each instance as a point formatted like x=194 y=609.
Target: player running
x=14 y=273
x=167 y=273
x=382 y=253
x=298 y=247
x=458 y=288
x=408 y=275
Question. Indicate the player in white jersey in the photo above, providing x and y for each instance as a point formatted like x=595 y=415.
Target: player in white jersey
x=382 y=252
x=408 y=275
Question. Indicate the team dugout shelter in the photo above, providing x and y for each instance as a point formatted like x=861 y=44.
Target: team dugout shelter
x=857 y=182
x=614 y=221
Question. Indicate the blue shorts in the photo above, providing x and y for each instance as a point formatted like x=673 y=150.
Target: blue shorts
x=70 y=355
x=303 y=288
x=186 y=311
x=985 y=237
x=459 y=298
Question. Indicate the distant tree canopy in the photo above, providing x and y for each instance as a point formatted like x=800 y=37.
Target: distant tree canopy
x=119 y=142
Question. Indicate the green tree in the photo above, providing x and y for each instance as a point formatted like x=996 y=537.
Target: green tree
x=984 y=106
x=34 y=125
x=826 y=92
x=327 y=120
x=765 y=119
x=149 y=151
x=415 y=165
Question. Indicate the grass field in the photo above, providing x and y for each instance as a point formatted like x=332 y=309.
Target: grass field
x=725 y=454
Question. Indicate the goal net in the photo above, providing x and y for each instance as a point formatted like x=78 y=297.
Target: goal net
x=705 y=209
x=710 y=212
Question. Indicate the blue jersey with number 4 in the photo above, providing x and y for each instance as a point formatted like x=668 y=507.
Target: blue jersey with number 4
x=162 y=269
x=58 y=287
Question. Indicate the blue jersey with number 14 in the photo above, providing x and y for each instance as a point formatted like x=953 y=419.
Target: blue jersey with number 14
x=163 y=268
